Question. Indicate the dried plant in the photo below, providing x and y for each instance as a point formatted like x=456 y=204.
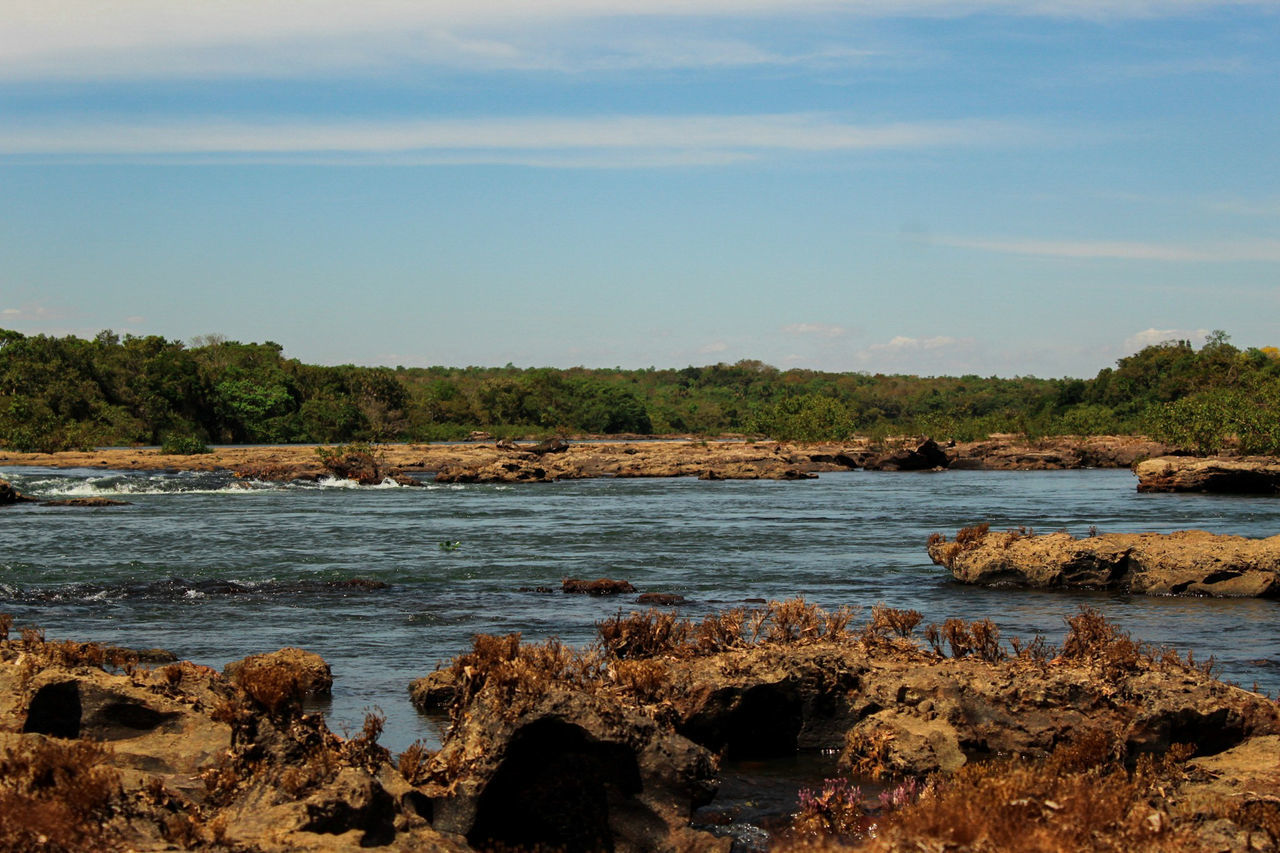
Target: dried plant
x=642 y=635
x=56 y=795
x=886 y=620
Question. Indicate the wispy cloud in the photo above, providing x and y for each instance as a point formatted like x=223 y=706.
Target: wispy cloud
x=820 y=330
x=86 y=39
x=902 y=343
x=1265 y=250
x=655 y=140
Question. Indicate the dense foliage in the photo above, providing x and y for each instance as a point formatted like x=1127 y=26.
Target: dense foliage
x=60 y=393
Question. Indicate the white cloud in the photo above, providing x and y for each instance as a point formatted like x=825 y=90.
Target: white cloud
x=87 y=39
x=1149 y=337
x=821 y=330
x=665 y=140
x=713 y=347
x=1240 y=250
x=902 y=343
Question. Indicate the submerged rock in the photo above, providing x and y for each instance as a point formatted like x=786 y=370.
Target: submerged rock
x=1223 y=475
x=599 y=586
x=84 y=502
x=1189 y=562
x=10 y=495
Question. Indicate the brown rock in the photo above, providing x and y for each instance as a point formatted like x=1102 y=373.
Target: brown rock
x=661 y=598
x=1189 y=562
x=1244 y=475
x=311 y=675
x=599 y=586
x=925 y=456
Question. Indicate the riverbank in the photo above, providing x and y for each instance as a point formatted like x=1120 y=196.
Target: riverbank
x=709 y=459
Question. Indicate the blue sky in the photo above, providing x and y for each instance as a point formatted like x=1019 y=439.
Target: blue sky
x=1035 y=187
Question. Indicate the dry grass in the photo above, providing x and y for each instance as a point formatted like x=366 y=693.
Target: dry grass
x=1081 y=798
x=413 y=762
x=55 y=796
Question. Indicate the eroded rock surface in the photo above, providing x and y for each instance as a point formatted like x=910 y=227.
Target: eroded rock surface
x=1189 y=562
x=1222 y=475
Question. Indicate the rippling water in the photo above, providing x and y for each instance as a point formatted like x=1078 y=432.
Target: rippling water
x=215 y=569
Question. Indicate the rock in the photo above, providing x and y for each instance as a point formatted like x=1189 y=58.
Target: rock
x=433 y=693
x=1189 y=562
x=551 y=445
x=925 y=456
x=572 y=771
x=86 y=502
x=599 y=586
x=309 y=674
x=1017 y=453
x=1222 y=475
x=10 y=495
x=666 y=599
x=358 y=583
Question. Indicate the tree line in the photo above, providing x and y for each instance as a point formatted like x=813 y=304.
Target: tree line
x=66 y=392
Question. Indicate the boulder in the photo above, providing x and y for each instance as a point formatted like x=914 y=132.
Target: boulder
x=308 y=673
x=925 y=456
x=1188 y=562
x=1222 y=475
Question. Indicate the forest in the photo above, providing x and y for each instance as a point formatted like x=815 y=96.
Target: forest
x=61 y=393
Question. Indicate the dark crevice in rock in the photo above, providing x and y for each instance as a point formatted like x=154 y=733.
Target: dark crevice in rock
x=55 y=710
x=555 y=789
x=763 y=721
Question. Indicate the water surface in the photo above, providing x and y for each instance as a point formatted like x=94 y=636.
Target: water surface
x=215 y=569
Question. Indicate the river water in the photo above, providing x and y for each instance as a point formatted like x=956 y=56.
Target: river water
x=215 y=569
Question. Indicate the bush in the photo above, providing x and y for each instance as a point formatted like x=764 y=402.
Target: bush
x=184 y=445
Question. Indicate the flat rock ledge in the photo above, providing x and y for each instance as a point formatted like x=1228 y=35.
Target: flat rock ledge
x=1215 y=474
x=1188 y=562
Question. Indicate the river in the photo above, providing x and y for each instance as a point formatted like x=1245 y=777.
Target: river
x=215 y=569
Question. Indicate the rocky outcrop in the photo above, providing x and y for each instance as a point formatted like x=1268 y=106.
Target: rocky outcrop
x=612 y=747
x=569 y=770
x=925 y=456
x=806 y=681
x=1258 y=475
x=1052 y=453
x=179 y=757
x=560 y=459
x=1189 y=562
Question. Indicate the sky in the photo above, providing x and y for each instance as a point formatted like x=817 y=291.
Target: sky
x=938 y=187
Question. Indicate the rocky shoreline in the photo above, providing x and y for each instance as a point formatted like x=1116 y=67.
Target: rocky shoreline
x=1188 y=562
x=1257 y=475
x=613 y=747
x=507 y=461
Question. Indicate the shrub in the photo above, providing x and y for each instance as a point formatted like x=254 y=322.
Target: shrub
x=183 y=445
